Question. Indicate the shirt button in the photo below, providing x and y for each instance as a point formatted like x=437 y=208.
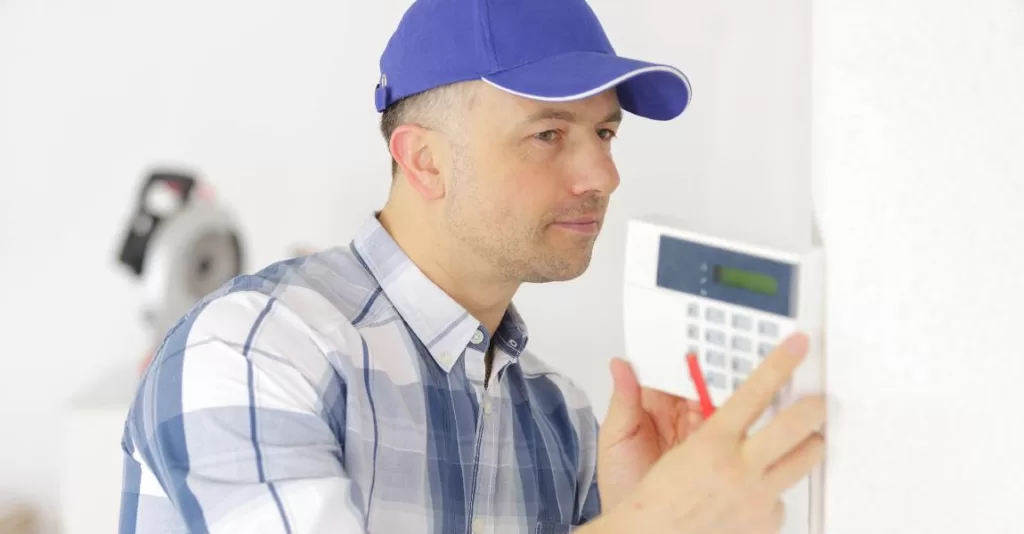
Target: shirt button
x=487 y=407
x=478 y=526
x=478 y=337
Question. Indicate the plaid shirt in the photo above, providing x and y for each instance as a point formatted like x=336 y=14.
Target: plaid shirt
x=343 y=392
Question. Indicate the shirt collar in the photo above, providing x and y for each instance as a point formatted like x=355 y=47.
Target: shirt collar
x=443 y=326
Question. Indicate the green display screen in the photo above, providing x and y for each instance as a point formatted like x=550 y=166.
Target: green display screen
x=749 y=280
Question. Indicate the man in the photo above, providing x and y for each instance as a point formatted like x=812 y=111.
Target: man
x=386 y=386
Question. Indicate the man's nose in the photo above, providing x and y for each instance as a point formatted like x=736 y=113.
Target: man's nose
x=595 y=173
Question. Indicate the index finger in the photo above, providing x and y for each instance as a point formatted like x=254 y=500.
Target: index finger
x=747 y=404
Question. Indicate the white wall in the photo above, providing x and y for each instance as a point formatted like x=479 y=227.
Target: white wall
x=919 y=159
x=273 y=102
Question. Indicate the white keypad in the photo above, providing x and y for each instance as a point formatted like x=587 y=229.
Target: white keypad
x=730 y=341
x=715 y=379
x=741 y=343
x=741 y=365
x=741 y=322
x=693 y=331
x=715 y=337
x=714 y=315
x=768 y=329
x=714 y=358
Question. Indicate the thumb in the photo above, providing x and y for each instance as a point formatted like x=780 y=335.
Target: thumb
x=624 y=408
x=626 y=385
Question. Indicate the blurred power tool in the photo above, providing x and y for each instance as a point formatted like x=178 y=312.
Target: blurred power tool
x=182 y=244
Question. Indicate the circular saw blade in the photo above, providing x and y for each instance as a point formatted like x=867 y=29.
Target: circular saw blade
x=211 y=259
x=192 y=255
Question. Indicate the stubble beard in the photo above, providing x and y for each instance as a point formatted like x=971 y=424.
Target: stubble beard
x=515 y=249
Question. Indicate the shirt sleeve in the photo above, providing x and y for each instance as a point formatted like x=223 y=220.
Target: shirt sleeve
x=238 y=427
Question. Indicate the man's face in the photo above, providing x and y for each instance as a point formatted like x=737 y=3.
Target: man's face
x=530 y=183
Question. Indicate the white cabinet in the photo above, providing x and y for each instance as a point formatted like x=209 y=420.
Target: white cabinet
x=91 y=463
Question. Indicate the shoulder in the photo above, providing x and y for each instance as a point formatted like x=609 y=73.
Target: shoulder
x=317 y=295
x=282 y=337
x=292 y=318
x=322 y=289
x=249 y=379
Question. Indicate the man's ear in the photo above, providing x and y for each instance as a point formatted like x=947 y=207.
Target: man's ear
x=411 y=148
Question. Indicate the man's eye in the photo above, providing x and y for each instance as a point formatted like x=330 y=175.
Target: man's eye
x=546 y=136
x=606 y=134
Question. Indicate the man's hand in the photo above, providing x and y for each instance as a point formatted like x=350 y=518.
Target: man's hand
x=641 y=425
x=722 y=481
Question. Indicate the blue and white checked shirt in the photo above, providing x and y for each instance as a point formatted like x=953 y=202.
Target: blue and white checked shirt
x=343 y=392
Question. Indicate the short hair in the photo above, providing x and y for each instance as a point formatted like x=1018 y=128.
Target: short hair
x=429 y=108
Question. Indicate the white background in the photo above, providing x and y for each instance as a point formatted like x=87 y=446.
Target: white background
x=919 y=149
x=905 y=116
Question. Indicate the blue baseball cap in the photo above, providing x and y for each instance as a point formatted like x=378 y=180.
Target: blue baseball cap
x=548 y=50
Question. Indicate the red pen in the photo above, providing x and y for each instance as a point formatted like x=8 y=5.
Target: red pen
x=702 y=388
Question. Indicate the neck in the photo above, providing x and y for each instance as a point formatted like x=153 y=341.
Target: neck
x=464 y=276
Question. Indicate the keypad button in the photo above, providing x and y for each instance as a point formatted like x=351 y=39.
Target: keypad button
x=693 y=310
x=714 y=315
x=715 y=337
x=736 y=383
x=693 y=332
x=715 y=358
x=716 y=380
x=742 y=344
x=742 y=365
x=741 y=322
x=768 y=329
x=764 y=349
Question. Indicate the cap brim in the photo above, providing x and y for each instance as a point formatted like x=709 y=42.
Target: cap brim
x=650 y=90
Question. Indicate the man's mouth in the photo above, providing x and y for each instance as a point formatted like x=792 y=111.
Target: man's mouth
x=583 y=225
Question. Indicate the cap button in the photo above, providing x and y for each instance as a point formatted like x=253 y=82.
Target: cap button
x=381 y=97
